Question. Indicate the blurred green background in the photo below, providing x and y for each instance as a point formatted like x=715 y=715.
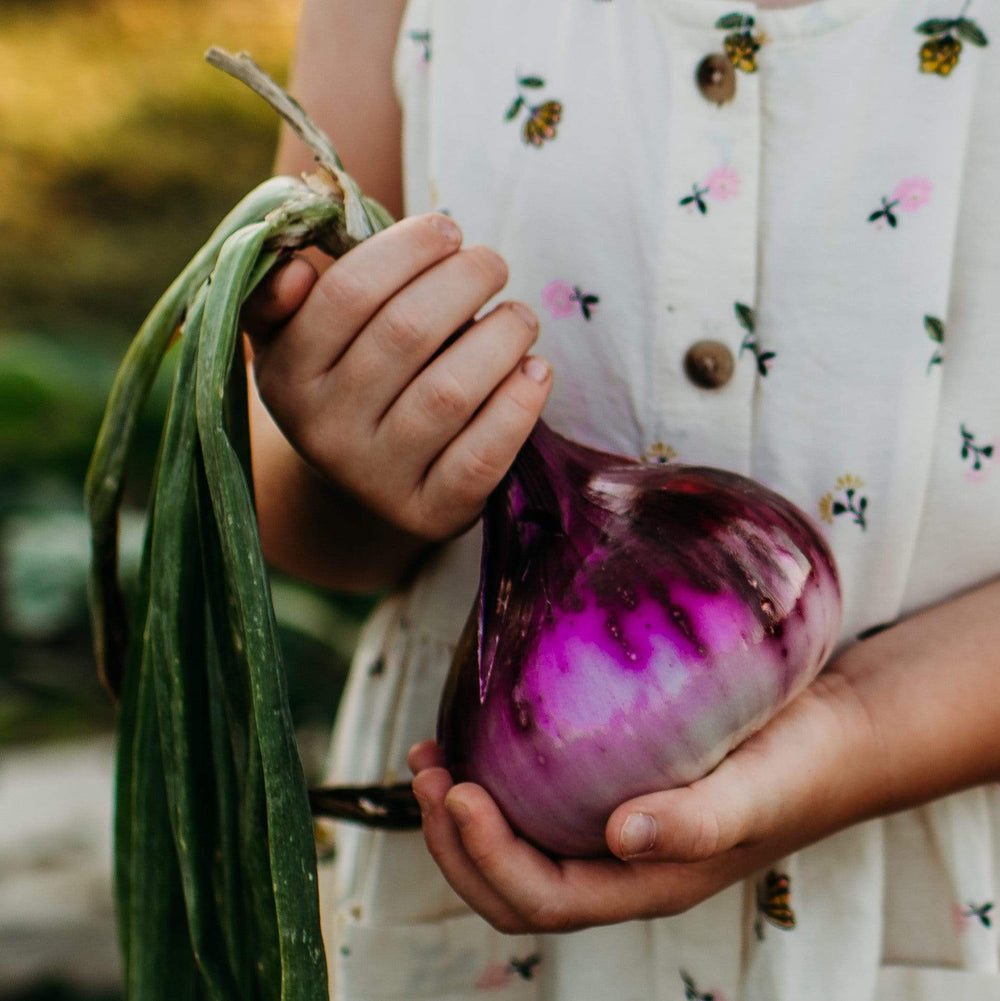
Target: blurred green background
x=119 y=151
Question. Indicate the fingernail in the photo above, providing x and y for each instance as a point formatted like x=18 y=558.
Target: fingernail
x=638 y=834
x=527 y=315
x=536 y=370
x=447 y=227
x=459 y=811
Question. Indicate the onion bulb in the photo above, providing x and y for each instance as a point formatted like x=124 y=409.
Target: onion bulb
x=634 y=624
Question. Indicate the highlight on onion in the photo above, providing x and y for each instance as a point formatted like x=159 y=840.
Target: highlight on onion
x=634 y=624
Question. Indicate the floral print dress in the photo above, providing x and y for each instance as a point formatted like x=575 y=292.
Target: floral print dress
x=814 y=193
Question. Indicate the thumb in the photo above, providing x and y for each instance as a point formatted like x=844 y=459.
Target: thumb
x=273 y=302
x=741 y=802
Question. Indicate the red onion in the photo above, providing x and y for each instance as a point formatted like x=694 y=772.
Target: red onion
x=634 y=624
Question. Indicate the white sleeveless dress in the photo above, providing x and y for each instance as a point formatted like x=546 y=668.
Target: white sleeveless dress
x=834 y=228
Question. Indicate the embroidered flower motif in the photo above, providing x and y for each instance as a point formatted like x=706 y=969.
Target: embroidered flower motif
x=747 y=320
x=912 y=194
x=659 y=453
x=909 y=195
x=850 y=501
x=940 y=53
x=422 y=39
x=325 y=839
x=525 y=968
x=981 y=912
x=540 y=125
x=971 y=449
x=773 y=894
x=935 y=331
x=562 y=299
x=741 y=44
x=494 y=977
x=723 y=183
x=692 y=992
x=720 y=185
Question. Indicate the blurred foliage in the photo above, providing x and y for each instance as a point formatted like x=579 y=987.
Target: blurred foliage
x=121 y=149
x=56 y=990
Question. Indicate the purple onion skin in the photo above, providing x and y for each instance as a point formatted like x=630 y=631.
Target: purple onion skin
x=634 y=624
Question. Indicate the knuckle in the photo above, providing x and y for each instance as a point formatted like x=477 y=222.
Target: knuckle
x=490 y=268
x=426 y=518
x=479 y=468
x=443 y=397
x=523 y=403
x=400 y=330
x=706 y=837
x=340 y=288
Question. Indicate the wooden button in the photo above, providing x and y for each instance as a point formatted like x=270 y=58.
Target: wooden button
x=709 y=364
x=716 y=78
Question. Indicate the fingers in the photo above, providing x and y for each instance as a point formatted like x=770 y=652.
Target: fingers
x=356 y=286
x=372 y=383
x=476 y=460
x=426 y=754
x=408 y=330
x=276 y=298
x=689 y=824
x=779 y=788
x=431 y=787
x=517 y=888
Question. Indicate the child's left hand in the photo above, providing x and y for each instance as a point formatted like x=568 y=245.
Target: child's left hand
x=882 y=728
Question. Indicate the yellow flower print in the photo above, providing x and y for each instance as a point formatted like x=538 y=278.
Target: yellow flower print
x=540 y=125
x=659 y=453
x=940 y=53
x=846 y=498
x=826 y=508
x=849 y=482
x=742 y=43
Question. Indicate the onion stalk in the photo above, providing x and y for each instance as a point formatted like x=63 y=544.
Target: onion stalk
x=215 y=859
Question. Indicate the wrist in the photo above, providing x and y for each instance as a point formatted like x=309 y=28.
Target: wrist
x=928 y=688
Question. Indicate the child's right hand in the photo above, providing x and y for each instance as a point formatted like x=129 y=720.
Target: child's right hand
x=346 y=362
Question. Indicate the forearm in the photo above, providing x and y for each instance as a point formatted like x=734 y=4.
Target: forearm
x=314 y=531
x=930 y=691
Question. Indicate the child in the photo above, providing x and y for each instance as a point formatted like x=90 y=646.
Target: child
x=758 y=238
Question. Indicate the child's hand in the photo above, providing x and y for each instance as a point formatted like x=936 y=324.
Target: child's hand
x=348 y=365
x=805 y=775
x=900 y=719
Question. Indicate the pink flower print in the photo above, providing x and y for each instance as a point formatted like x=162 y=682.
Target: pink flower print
x=723 y=183
x=557 y=297
x=908 y=196
x=913 y=193
x=562 y=299
x=959 y=919
x=494 y=977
